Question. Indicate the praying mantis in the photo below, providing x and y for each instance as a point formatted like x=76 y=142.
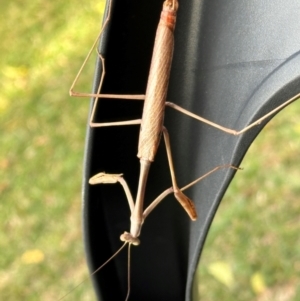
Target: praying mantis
x=147 y=153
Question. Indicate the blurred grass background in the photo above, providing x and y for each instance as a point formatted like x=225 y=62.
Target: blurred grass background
x=42 y=45
x=253 y=250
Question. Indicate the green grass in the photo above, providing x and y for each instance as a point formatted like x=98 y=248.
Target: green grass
x=252 y=250
x=43 y=44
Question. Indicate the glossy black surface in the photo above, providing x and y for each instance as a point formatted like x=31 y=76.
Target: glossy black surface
x=234 y=61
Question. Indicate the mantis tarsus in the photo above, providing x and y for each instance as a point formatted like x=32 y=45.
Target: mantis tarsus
x=152 y=128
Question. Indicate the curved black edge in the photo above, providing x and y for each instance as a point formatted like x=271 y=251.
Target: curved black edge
x=233 y=62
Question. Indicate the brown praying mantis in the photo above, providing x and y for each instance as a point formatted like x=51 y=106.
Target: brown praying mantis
x=151 y=124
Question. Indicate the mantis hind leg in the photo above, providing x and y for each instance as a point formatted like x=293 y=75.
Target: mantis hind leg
x=228 y=130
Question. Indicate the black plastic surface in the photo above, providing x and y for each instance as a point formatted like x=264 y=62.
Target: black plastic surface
x=234 y=61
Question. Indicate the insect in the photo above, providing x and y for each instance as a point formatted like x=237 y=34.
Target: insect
x=151 y=124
